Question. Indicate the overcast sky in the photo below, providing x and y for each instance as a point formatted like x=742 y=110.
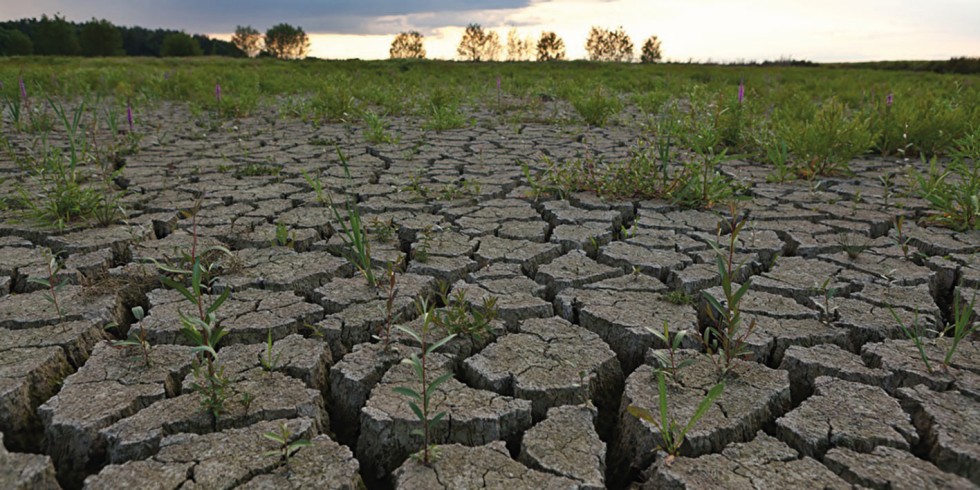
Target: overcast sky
x=721 y=30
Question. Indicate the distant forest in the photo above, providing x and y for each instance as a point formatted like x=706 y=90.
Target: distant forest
x=58 y=36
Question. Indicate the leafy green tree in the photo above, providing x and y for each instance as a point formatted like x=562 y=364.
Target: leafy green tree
x=651 y=51
x=15 y=43
x=180 y=44
x=55 y=36
x=247 y=39
x=478 y=44
x=550 y=47
x=605 y=45
x=101 y=38
x=407 y=45
x=287 y=42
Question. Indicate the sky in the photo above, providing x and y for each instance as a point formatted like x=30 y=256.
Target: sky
x=700 y=30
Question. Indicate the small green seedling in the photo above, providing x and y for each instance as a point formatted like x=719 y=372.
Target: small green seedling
x=913 y=332
x=668 y=361
x=137 y=337
x=671 y=432
x=286 y=448
x=53 y=286
x=268 y=362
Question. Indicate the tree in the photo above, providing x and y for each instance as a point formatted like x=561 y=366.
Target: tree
x=248 y=40
x=478 y=45
x=606 y=45
x=55 y=37
x=518 y=49
x=287 y=42
x=550 y=47
x=407 y=45
x=15 y=43
x=101 y=38
x=651 y=50
x=180 y=44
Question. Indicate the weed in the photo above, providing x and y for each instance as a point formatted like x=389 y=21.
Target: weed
x=203 y=330
x=287 y=446
x=420 y=253
x=420 y=401
x=914 y=333
x=853 y=250
x=725 y=335
x=392 y=292
x=53 y=285
x=246 y=401
x=283 y=238
x=137 y=338
x=253 y=169
x=383 y=230
x=268 y=362
x=671 y=432
x=953 y=192
x=679 y=297
x=900 y=238
x=825 y=140
x=668 y=362
x=963 y=326
x=596 y=107
x=352 y=231
x=829 y=312
x=459 y=318
x=376 y=131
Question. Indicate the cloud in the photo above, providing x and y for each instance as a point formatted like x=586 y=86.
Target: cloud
x=333 y=16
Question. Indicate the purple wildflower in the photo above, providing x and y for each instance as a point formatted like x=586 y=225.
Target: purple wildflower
x=129 y=116
x=889 y=99
x=741 y=92
x=23 y=89
x=217 y=92
x=498 y=84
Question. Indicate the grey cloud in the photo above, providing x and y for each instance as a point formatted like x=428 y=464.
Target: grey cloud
x=333 y=16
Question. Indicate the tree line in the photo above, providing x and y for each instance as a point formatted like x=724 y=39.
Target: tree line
x=61 y=37
x=479 y=44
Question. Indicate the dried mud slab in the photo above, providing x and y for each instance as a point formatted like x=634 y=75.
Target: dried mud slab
x=32 y=310
x=529 y=255
x=632 y=256
x=550 y=363
x=621 y=319
x=271 y=396
x=566 y=444
x=237 y=457
x=518 y=298
x=572 y=270
x=771 y=337
x=473 y=417
x=849 y=415
x=950 y=426
x=763 y=462
x=281 y=269
x=486 y=466
x=890 y=468
x=20 y=471
x=112 y=385
x=754 y=396
x=806 y=364
x=247 y=315
x=901 y=358
x=28 y=377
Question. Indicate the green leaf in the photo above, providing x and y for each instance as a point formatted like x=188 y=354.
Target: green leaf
x=218 y=302
x=172 y=284
x=401 y=390
x=272 y=436
x=678 y=339
x=439 y=343
x=410 y=332
x=439 y=416
x=435 y=384
x=196 y=279
x=418 y=411
x=703 y=407
x=642 y=414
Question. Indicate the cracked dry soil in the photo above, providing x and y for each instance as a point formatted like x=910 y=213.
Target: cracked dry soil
x=831 y=393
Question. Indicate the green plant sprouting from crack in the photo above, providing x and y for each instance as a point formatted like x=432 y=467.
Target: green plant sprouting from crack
x=420 y=401
x=672 y=433
x=286 y=445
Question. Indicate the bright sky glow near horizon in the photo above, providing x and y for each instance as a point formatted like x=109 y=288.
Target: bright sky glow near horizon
x=718 y=30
